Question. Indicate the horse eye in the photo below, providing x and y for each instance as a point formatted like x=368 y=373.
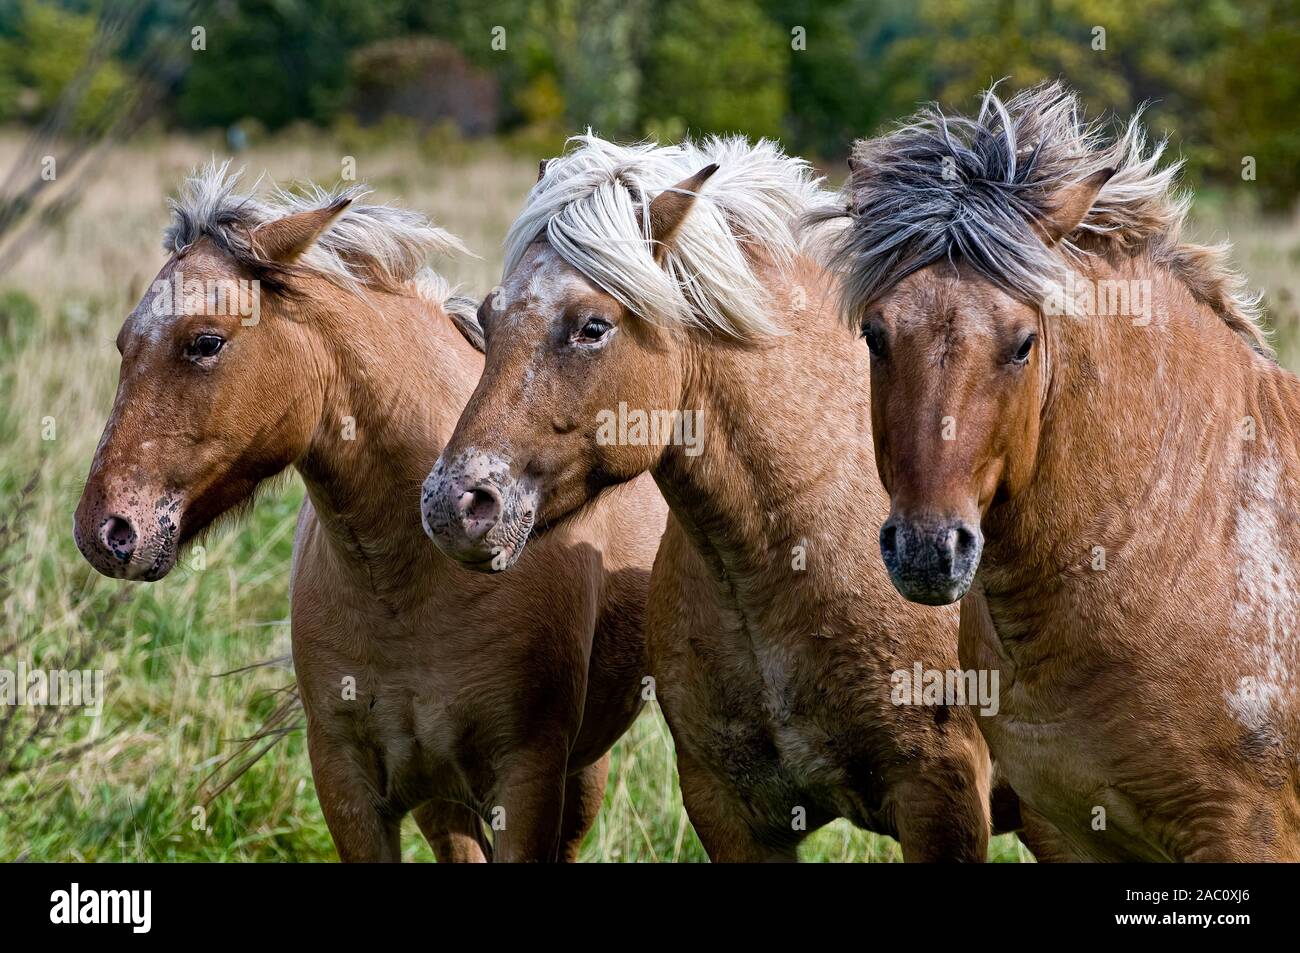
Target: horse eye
x=595 y=329
x=205 y=345
x=875 y=339
x=1022 y=352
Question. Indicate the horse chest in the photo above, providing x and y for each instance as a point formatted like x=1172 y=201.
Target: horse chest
x=1072 y=756
x=1057 y=752
x=753 y=690
x=400 y=726
x=781 y=749
x=408 y=736
x=778 y=766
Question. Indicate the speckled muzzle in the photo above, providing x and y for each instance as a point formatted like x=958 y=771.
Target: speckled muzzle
x=476 y=512
x=128 y=532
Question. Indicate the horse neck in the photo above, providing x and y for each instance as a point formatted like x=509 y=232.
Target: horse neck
x=1143 y=435
x=399 y=374
x=784 y=458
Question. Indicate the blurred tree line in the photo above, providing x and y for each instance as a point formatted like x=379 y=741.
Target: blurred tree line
x=1222 y=77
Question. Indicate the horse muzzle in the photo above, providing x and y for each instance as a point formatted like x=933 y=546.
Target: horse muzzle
x=128 y=533
x=931 y=560
x=477 y=513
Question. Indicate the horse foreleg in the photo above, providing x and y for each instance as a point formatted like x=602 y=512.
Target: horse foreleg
x=362 y=832
x=718 y=816
x=529 y=816
x=583 y=793
x=1044 y=841
x=942 y=814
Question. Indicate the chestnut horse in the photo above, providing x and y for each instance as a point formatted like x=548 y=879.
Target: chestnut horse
x=427 y=688
x=640 y=329
x=1083 y=434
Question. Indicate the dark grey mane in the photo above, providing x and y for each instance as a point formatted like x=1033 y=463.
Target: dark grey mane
x=379 y=246
x=971 y=190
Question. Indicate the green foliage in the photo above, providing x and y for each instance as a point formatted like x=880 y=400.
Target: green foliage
x=19 y=315
x=717 y=68
x=279 y=61
x=962 y=47
x=52 y=52
x=1253 y=106
x=602 y=78
x=1216 y=77
x=541 y=101
x=1221 y=78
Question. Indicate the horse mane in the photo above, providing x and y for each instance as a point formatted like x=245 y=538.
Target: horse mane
x=380 y=247
x=461 y=309
x=952 y=187
x=592 y=205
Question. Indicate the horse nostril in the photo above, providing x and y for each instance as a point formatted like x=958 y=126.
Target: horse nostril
x=889 y=540
x=118 y=536
x=480 y=508
x=966 y=542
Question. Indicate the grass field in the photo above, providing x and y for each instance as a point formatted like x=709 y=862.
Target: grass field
x=125 y=786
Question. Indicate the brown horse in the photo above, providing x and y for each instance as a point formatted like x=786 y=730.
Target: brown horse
x=639 y=329
x=1076 y=416
x=426 y=687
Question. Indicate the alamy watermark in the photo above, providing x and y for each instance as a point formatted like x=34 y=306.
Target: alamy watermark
x=232 y=296
x=934 y=686
x=1106 y=297
x=75 y=688
x=651 y=428
x=133 y=908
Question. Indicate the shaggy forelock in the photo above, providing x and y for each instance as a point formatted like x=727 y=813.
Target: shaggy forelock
x=975 y=191
x=592 y=206
x=379 y=246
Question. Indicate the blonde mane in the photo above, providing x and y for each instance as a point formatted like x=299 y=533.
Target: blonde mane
x=963 y=189
x=592 y=206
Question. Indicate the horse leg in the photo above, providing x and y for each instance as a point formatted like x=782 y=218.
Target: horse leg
x=454 y=832
x=583 y=793
x=529 y=816
x=718 y=815
x=362 y=831
x=942 y=814
x=361 y=835
x=1044 y=840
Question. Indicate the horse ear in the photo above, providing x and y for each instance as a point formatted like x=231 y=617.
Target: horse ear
x=1072 y=205
x=670 y=207
x=286 y=239
x=541 y=169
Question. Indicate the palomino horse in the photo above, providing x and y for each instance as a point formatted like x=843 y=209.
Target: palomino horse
x=1076 y=417
x=426 y=687
x=639 y=329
